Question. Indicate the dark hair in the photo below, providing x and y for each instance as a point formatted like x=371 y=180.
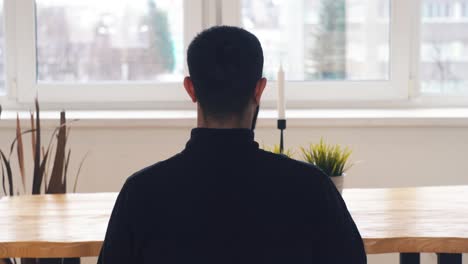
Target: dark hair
x=225 y=64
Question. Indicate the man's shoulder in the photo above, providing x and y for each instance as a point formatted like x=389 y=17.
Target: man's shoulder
x=289 y=167
x=156 y=171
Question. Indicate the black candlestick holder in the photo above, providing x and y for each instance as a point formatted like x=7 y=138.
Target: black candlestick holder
x=281 y=127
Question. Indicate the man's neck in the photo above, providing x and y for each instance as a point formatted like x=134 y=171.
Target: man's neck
x=234 y=121
x=225 y=124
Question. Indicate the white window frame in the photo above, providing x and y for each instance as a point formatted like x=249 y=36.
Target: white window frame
x=28 y=87
x=402 y=88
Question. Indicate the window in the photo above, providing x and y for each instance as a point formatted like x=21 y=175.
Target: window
x=88 y=41
x=332 y=50
x=320 y=40
x=105 y=53
x=2 y=52
x=464 y=12
x=437 y=9
x=444 y=54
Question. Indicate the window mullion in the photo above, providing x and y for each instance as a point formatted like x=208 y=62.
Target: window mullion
x=400 y=46
x=193 y=22
x=25 y=50
x=10 y=47
x=231 y=12
x=414 y=75
x=211 y=13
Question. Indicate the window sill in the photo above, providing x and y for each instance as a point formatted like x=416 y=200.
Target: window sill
x=453 y=117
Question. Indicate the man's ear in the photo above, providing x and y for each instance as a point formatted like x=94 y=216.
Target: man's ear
x=261 y=84
x=188 y=84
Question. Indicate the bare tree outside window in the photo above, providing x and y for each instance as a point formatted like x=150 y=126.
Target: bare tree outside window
x=444 y=48
x=105 y=40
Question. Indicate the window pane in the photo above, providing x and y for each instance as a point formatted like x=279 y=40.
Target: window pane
x=107 y=40
x=465 y=9
x=2 y=52
x=322 y=39
x=444 y=47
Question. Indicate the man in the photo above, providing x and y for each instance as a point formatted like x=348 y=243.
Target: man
x=222 y=199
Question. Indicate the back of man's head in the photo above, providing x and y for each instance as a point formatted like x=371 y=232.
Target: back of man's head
x=225 y=64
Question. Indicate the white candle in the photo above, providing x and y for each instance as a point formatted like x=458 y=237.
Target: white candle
x=281 y=99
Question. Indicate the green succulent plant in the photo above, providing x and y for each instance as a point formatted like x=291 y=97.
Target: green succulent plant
x=333 y=160
x=276 y=149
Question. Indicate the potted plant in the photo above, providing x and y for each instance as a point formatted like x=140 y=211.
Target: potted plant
x=49 y=167
x=333 y=160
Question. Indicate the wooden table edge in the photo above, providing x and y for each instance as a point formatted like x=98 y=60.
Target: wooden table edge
x=372 y=245
x=451 y=245
x=50 y=249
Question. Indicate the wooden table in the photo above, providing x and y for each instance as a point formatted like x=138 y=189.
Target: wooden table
x=407 y=221
x=412 y=221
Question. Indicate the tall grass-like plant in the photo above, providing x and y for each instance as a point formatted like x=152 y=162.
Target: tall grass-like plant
x=276 y=149
x=333 y=160
x=53 y=157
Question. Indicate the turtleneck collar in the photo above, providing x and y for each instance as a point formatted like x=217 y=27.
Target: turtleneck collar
x=214 y=138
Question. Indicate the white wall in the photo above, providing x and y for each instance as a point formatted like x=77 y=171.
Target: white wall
x=389 y=156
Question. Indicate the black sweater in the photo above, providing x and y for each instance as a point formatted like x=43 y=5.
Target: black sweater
x=223 y=200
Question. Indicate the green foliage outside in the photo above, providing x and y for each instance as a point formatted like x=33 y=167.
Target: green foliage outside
x=329 y=50
x=161 y=43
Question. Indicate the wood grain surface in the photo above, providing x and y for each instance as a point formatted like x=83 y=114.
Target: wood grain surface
x=425 y=219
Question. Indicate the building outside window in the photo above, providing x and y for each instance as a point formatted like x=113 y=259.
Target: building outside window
x=91 y=41
x=443 y=66
x=464 y=5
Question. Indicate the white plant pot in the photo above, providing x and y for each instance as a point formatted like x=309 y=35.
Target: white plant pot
x=339 y=182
